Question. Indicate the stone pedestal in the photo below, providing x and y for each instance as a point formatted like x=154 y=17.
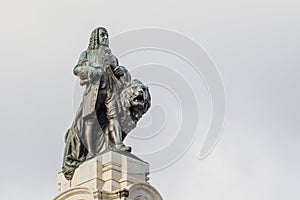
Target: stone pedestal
x=110 y=175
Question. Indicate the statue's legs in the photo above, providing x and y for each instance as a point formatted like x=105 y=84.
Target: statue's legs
x=116 y=136
x=90 y=136
x=114 y=128
x=94 y=137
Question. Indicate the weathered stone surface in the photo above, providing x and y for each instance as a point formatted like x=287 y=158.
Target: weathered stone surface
x=143 y=191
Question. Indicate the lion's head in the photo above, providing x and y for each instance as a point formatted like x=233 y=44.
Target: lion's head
x=135 y=101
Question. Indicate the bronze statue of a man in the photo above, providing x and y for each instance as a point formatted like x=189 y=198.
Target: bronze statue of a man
x=96 y=120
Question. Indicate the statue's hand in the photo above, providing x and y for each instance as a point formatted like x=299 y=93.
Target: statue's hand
x=118 y=71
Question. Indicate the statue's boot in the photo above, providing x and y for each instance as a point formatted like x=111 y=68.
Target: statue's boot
x=122 y=147
x=118 y=144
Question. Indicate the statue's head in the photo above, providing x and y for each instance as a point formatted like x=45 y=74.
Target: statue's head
x=99 y=37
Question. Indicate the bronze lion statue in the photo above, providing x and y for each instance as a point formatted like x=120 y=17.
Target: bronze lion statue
x=134 y=101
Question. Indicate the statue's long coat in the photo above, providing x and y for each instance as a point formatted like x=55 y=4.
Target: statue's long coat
x=99 y=101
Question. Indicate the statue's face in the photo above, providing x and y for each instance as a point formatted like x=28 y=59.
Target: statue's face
x=103 y=37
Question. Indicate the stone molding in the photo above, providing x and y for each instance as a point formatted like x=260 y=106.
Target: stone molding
x=111 y=175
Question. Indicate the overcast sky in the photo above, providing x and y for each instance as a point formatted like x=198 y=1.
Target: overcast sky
x=254 y=45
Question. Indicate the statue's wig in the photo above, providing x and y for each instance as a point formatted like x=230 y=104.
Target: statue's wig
x=94 y=39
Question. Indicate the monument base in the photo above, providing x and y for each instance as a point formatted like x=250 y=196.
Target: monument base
x=110 y=175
